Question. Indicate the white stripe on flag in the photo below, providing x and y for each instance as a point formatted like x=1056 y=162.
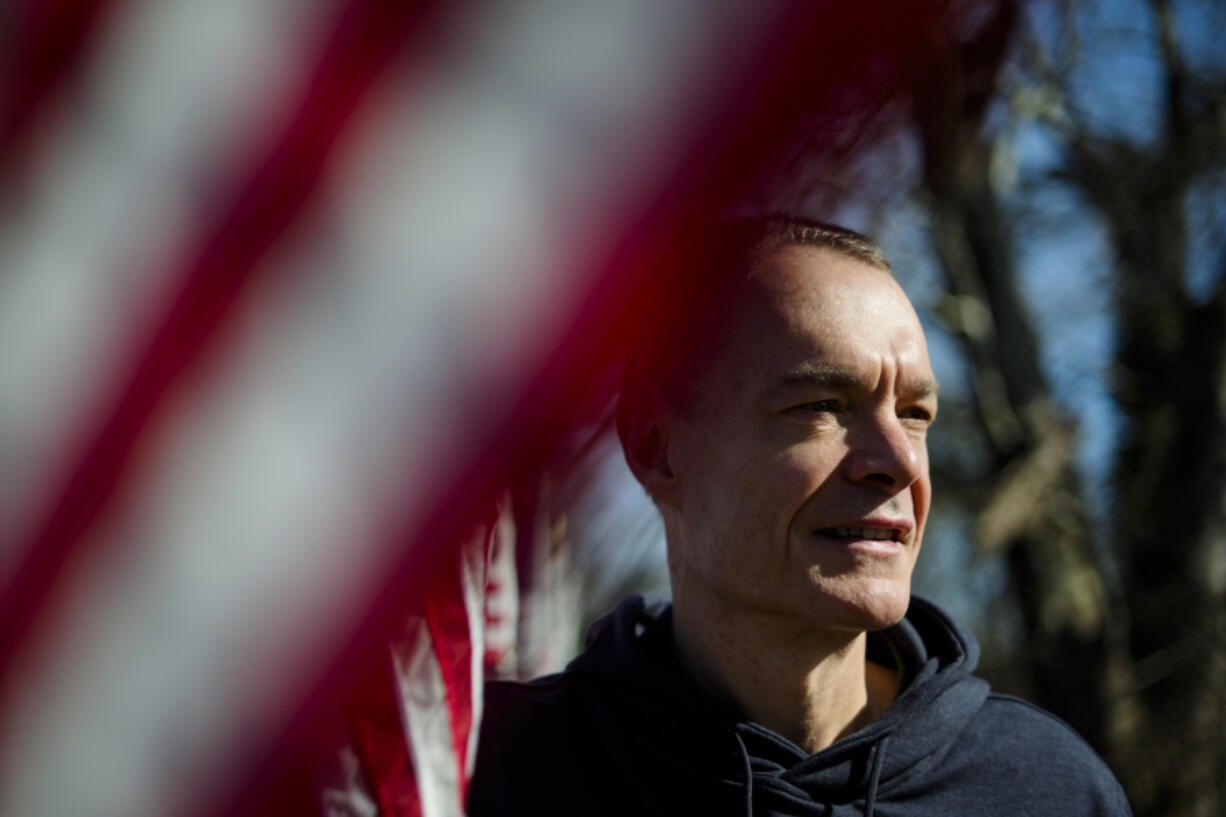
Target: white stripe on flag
x=422 y=696
x=472 y=585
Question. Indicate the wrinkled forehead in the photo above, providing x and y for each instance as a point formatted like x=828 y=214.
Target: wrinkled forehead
x=792 y=291
x=807 y=306
x=817 y=286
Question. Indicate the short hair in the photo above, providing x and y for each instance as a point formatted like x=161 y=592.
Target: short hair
x=664 y=355
x=747 y=242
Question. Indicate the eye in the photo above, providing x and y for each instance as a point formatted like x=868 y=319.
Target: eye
x=921 y=413
x=818 y=406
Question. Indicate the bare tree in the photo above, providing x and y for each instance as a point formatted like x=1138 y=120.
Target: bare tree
x=1125 y=623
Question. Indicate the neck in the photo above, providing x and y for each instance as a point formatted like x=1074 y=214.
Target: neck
x=809 y=685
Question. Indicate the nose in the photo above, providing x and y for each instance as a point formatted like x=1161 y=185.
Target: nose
x=883 y=454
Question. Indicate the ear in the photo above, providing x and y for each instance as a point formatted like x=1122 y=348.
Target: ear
x=643 y=429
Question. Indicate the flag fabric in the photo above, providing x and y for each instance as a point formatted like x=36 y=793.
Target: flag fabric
x=414 y=729
x=295 y=296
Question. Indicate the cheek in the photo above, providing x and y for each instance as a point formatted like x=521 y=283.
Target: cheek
x=922 y=490
x=744 y=495
x=921 y=498
x=922 y=493
x=804 y=468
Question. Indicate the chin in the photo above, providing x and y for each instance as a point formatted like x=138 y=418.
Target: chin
x=873 y=606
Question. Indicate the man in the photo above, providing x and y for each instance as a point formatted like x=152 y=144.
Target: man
x=784 y=442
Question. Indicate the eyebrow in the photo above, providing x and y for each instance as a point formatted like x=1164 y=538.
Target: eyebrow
x=835 y=377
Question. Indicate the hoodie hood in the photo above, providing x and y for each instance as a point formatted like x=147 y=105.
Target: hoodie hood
x=630 y=655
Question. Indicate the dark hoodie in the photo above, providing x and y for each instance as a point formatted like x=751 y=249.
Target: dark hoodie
x=624 y=730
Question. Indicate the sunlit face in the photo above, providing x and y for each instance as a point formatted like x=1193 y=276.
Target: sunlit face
x=800 y=475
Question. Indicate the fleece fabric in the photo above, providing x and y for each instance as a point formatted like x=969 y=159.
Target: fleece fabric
x=624 y=730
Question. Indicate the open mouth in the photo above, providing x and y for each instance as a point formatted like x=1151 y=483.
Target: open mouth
x=884 y=534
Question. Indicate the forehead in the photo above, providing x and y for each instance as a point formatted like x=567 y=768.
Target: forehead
x=808 y=307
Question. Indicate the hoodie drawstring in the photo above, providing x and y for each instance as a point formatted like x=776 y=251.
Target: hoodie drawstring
x=870 y=800
x=874 y=779
x=740 y=742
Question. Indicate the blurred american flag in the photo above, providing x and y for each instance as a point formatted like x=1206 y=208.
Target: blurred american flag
x=292 y=291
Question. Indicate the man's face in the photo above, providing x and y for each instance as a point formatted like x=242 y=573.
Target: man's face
x=801 y=481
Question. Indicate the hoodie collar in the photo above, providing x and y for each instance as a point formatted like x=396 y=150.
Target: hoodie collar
x=630 y=652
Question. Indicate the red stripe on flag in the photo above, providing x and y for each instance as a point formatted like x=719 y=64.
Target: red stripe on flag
x=385 y=744
x=447 y=621
x=379 y=739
